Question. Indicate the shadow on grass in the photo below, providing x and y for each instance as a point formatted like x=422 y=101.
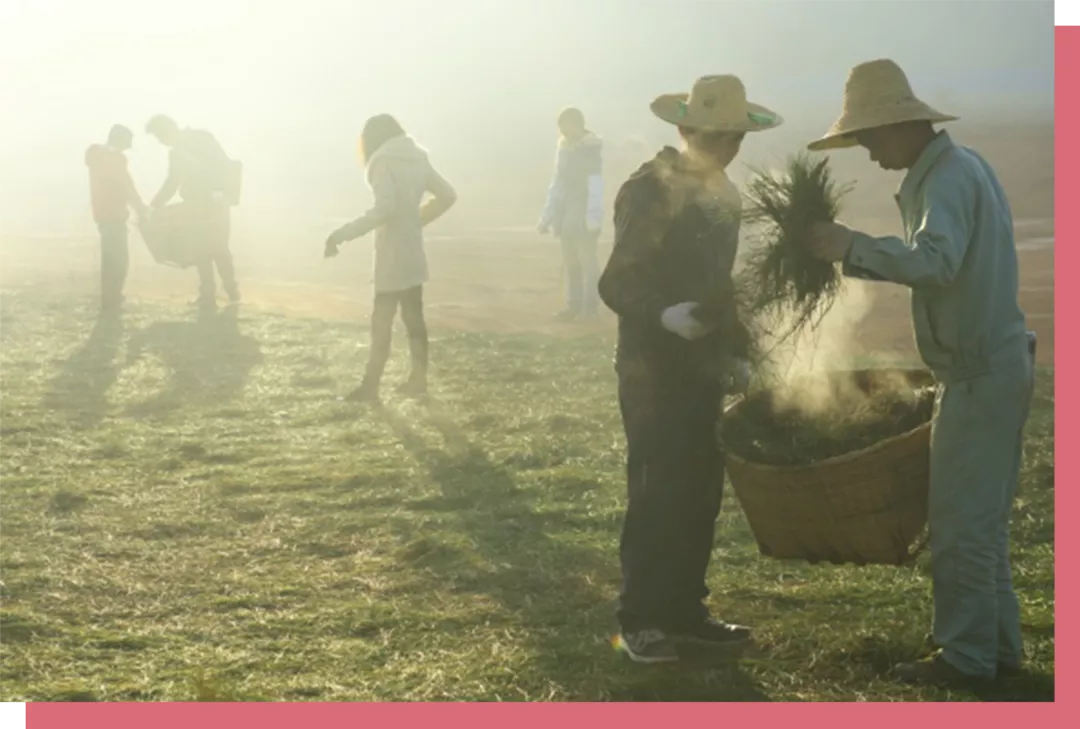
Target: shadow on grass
x=882 y=655
x=83 y=383
x=562 y=591
x=209 y=360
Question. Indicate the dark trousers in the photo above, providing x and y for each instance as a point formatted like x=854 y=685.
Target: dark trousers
x=114 y=262
x=382 y=331
x=216 y=228
x=675 y=478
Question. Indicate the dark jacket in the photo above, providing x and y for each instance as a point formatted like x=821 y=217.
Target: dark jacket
x=674 y=242
x=198 y=169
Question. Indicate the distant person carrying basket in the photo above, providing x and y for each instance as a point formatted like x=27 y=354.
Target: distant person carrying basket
x=958 y=257
x=112 y=193
x=208 y=183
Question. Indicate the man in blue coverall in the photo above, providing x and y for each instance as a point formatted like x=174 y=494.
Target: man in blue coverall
x=958 y=257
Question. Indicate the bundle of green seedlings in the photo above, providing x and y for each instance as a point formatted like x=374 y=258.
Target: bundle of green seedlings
x=783 y=288
x=774 y=428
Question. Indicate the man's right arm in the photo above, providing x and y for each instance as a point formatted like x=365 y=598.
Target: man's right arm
x=170 y=186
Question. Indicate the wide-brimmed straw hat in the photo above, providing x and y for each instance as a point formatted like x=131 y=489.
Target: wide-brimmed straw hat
x=715 y=104
x=876 y=94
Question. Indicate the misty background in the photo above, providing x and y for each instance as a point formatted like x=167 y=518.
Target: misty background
x=286 y=87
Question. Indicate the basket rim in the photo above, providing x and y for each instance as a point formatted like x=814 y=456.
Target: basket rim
x=833 y=460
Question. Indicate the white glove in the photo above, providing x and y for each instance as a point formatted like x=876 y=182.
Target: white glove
x=592 y=226
x=679 y=320
x=740 y=376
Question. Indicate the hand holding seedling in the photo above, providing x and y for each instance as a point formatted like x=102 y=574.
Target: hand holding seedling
x=830 y=241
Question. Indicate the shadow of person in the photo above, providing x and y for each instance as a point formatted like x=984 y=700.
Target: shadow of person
x=209 y=360
x=560 y=588
x=81 y=387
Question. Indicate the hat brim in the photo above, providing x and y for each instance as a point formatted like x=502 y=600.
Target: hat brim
x=842 y=134
x=672 y=109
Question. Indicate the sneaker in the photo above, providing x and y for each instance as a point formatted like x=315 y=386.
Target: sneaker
x=649 y=646
x=365 y=393
x=413 y=389
x=711 y=632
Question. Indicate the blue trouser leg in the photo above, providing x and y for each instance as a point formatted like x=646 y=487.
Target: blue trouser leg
x=974 y=468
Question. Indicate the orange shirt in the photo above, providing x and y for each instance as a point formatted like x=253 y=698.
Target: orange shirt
x=111 y=186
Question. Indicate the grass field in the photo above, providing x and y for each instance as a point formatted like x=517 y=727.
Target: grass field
x=188 y=513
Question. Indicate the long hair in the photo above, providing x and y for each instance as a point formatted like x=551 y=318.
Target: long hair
x=378 y=130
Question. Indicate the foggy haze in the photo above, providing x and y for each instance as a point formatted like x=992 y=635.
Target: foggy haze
x=286 y=87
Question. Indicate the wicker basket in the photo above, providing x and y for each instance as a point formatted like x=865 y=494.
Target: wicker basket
x=177 y=235
x=865 y=507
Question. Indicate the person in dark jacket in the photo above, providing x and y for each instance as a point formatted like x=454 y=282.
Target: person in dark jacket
x=112 y=194
x=677 y=222
x=198 y=170
x=574 y=210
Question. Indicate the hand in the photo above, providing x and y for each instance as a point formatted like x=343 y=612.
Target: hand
x=830 y=241
x=679 y=320
x=331 y=248
x=740 y=376
x=592 y=226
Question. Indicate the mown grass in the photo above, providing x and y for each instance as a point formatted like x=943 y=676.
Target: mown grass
x=189 y=513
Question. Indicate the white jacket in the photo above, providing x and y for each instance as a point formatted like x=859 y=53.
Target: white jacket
x=399 y=174
x=575 y=199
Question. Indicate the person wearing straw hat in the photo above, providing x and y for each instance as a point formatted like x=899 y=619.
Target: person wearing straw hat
x=959 y=258
x=677 y=221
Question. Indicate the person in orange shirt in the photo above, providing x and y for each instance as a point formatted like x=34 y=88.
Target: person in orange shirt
x=112 y=194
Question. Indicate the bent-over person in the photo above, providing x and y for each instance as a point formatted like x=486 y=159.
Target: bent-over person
x=958 y=257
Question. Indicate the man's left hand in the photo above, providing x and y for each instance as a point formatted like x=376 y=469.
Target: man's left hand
x=830 y=241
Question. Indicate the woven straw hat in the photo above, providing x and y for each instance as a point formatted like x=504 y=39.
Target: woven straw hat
x=715 y=104
x=876 y=94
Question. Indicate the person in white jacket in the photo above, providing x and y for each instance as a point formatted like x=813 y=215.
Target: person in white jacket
x=574 y=210
x=400 y=174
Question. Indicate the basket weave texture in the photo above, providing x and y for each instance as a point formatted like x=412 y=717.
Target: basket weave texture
x=177 y=235
x=864 y=507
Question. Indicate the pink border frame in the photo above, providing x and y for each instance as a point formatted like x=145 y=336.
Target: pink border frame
x=271 y=716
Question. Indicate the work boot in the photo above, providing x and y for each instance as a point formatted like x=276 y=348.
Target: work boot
x=414 y=387
x=935 y=671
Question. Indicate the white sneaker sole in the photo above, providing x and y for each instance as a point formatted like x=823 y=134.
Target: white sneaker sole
x=647 y=660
